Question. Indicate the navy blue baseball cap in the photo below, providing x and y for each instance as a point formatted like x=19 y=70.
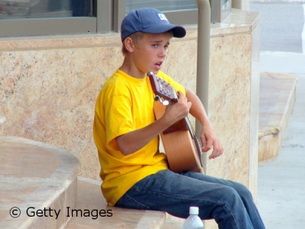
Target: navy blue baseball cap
x=148 y=20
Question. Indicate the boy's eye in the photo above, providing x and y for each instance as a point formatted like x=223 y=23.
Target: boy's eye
x=155 y=45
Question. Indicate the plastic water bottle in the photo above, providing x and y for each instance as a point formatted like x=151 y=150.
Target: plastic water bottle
x=193 y=221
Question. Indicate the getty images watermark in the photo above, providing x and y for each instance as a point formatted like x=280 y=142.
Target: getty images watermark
x=49 y=212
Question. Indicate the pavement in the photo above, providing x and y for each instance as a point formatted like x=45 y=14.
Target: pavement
x=281 y=181
x=281 y=25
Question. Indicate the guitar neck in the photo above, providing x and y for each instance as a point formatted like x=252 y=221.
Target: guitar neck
x=165 y=92
x=162 y=89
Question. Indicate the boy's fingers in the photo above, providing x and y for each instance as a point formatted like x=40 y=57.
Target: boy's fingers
x=203 y=142
x=178 y=94
x=217 y=151
x=209 y=143
x=205 y=147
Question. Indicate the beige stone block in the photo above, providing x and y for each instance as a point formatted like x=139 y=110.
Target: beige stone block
x=277 y=99
x=89 y=197
x=35 y=176
x=229 y=104
x=269 y=145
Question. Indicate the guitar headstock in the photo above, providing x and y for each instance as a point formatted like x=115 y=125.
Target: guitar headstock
x=161 y=88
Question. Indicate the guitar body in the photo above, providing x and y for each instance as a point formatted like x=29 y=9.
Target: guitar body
x=180 y=148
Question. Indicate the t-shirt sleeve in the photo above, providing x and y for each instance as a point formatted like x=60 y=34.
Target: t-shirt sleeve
x=118 y=113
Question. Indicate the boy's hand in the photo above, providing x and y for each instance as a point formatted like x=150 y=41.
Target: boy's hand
x=209 y=140
x=177 y=111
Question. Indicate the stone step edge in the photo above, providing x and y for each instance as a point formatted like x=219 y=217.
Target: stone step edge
x=65 y=195
x=148 y=219
x=287 y=110
x=270 y=137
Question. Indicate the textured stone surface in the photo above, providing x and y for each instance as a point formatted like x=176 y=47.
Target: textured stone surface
x=229 y=103
x=49 y=96
x=35 y=176
x=89 y=197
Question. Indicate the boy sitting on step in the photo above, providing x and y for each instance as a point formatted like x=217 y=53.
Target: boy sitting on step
x=134 y=173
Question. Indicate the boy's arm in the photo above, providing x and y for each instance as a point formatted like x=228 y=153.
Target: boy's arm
x=135 y=140
x=208 y=137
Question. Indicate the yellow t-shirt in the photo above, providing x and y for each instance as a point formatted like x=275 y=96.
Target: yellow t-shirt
x=125 y=104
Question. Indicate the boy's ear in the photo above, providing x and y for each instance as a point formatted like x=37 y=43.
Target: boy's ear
x=129 y=44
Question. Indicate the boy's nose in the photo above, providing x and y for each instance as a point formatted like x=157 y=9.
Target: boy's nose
x=162 y=52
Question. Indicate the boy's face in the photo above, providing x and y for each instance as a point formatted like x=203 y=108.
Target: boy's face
x=149 y=52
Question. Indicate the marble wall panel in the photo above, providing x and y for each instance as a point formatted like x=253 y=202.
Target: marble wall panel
x=229 y=104
x=49 y=96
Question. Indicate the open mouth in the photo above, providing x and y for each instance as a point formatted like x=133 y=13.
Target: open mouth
x=158 y=64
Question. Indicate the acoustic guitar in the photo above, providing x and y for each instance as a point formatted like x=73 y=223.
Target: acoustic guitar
x=182 y=147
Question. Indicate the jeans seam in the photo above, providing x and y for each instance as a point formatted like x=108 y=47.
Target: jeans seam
x=136 y=201
x=226 y=205
x=227 y=208
x=179 y=198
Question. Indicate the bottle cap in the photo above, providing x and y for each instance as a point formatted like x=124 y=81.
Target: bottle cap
x=194 y=210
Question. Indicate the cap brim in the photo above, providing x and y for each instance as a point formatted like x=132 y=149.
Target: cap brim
x=178 y=31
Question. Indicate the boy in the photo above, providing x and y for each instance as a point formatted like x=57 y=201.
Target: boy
x=134 y=173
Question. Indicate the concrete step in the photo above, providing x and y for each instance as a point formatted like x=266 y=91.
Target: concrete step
x=99 y=215
x=35 y=179
x=277 y=98
x=89 y=198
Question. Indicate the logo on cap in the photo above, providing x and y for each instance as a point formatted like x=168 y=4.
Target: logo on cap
x=162 y=17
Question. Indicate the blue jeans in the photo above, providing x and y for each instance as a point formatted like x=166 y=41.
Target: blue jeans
x=229 y=203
